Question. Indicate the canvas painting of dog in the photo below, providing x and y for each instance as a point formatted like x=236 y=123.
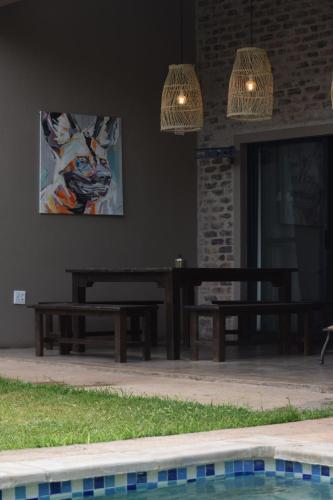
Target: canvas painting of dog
x=80 y=164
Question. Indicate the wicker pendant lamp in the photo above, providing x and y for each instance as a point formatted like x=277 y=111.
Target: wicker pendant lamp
x=250 y=96
x=181 y=104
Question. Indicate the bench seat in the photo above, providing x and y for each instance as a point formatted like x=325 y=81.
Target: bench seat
x=220 y=310
x=119 y=313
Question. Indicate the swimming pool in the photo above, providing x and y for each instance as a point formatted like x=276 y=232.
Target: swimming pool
x=249 y=478
x=245 y=487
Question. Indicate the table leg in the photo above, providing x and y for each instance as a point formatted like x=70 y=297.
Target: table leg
x=188 y=299
x=79 y=323
x=218 y=336
x=39 y=333
x=172 y=307
x=120 y=337
x=194 y=335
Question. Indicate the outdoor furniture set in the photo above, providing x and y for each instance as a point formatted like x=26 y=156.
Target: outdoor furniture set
x=181 y=315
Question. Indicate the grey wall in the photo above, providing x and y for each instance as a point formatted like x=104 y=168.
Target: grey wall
x=88 y=56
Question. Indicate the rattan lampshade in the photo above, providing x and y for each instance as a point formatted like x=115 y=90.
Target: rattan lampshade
x=181 y=106
x=250 y=96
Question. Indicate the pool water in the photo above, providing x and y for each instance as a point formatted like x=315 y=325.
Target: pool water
x=242 y=487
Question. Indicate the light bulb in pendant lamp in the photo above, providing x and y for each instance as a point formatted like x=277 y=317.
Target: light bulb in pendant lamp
x=250 y=96
x=181 y=98
x=251 y=84
x=181 y=104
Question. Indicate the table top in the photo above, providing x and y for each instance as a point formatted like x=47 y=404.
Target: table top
x=143 y=270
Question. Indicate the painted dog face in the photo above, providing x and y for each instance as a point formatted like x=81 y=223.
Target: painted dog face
x=82 y=164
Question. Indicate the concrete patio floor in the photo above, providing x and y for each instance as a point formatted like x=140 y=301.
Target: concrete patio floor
x=258 y=380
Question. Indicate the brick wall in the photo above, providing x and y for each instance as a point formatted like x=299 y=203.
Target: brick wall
x=298 y=35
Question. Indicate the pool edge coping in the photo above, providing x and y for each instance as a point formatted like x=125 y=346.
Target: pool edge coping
x=118 y=457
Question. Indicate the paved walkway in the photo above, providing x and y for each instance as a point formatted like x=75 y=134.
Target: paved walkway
x=258 y=382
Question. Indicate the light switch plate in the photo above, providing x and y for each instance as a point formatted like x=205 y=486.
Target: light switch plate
x=19 y=297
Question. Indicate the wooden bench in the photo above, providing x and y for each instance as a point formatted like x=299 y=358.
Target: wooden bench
x=51 y=339
x=119 y=313
x=219 y=311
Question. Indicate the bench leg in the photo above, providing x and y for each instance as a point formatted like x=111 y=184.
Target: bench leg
x=147 y=324
x=120 y=337
x=218 y=337
x=66 y=332
x=194 y=335
x=39 y=334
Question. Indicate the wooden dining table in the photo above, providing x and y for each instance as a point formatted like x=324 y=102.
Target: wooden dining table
x=179 y=289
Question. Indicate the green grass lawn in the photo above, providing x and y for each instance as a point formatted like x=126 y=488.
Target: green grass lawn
x=53 y=415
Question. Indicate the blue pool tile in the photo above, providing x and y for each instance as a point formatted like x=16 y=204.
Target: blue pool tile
x=280 y=465
x=162 y=475
x=131 y=478
x=151 y=486
x=172 y=475
x=98 y=483
x=315 y=470
x=121 y=489
x=182 y=473
x=298 y=467
x=307 y=477
x=210 y=470
x=20 y=493
x=110 y=491
x=141 y=477
x=192 y=480
x=248 y=465
x=238 y=466
x=77 y=494
x=270 y=473
x=43 y=489
x=229 y=467
x=55 y=488
x=109 y=482
x=201 y=471
x=89 y=493
x=259 y=465
x=289 y=466
x=131 y=487
x=88 y=484
x=315 y=479
x=66 y=487
x=325 y=471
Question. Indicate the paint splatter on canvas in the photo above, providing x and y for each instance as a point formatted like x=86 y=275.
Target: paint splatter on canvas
x=80 y=164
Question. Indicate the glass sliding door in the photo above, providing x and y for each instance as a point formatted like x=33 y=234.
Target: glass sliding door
x=288 y=214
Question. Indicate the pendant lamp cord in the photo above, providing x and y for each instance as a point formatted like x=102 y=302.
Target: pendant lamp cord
x=251 y=23
x=181 y=20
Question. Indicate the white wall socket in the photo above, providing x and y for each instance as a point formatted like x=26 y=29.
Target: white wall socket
x=19 y=297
